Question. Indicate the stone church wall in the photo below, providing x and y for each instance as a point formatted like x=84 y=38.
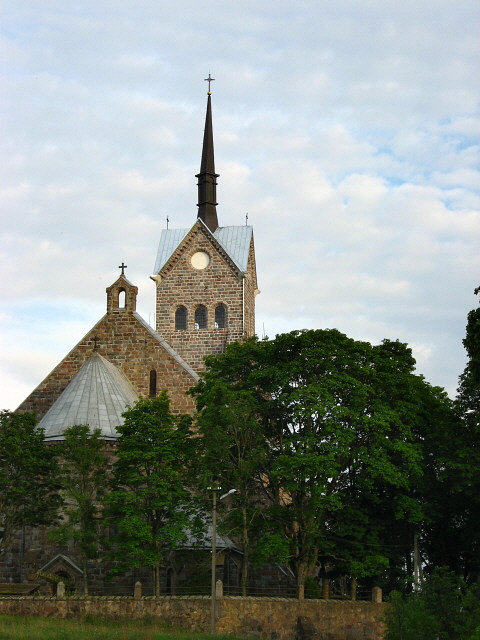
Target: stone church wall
x=219 y=283
x=123 y=340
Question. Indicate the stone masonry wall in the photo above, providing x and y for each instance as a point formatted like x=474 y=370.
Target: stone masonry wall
x=123 y=340
x=267 y=619
x=219 y=283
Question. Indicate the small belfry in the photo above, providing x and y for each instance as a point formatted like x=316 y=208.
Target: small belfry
x=206 y=275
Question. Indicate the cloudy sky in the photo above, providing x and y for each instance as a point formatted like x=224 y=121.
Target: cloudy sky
x=348 y=130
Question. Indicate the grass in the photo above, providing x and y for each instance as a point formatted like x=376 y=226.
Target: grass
x=33 y=628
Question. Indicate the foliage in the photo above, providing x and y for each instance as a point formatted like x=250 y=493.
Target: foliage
x=231 y=450
x=84 y=479
x=28 y=476
x=345 y=441
x=332 y=421
x=409 y=619
x=445 y=609
x=148 y=505
x=312 y=589
x=452 y=494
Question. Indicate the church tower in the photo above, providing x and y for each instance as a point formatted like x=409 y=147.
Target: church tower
x=205 y=276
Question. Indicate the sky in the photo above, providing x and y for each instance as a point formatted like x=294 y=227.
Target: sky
x=347 y=131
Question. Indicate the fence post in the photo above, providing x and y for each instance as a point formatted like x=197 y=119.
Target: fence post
x=376 y=594
x=326 y=588
x=60 y=590
x=353 y=589
x=137 y=590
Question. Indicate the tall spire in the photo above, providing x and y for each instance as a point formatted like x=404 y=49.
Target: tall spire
x=207 y=178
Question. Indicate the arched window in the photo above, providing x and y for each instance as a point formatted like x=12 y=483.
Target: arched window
x=201 y=317
x=181 y=318
x=122 y=297
x=153 y=383
x=220 y=317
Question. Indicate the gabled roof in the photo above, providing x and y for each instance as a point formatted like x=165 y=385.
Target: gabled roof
x=235 y=241
x=97 y=396
x=205 y=541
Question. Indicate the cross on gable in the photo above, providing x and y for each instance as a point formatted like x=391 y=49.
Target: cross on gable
x=122 y=267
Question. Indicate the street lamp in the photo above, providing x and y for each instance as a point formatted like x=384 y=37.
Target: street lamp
x=214 y=551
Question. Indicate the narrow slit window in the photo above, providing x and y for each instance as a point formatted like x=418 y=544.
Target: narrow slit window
x=220 y=316
x=153 y=383
x=181 y=318
x=201 y=317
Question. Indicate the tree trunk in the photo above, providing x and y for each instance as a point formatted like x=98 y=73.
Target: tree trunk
x=156 y=579
x=85 y=576
x=302 y=572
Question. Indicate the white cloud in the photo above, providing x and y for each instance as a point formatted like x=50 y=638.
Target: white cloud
x=350 y=135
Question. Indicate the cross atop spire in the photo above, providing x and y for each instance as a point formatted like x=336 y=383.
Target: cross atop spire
x=207 y=178
x=209 y=80
x=122 y=267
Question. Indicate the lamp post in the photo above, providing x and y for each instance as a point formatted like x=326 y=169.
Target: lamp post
x=214 y=552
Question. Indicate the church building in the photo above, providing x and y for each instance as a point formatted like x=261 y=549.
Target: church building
x=205 y=286
x=206 y=283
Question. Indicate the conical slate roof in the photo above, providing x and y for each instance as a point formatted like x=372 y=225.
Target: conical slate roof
x=97 y=396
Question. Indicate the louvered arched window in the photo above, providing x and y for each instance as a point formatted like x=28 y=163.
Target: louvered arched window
x=181 y=318
x=220 y=317
x=201 y=317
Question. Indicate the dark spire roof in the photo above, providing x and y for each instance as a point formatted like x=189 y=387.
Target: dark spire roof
x=207 y=178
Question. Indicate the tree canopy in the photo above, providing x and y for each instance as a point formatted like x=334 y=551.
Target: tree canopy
x=453 y=526
x=148 y=504
x=28 y=476
x=84 y=480
x=335 y=425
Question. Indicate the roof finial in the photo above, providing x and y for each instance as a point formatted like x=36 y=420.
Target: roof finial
x=122 y=267
x=209 y=80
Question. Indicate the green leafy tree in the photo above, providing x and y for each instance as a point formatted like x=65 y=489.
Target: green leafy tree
x=452 y=472
x=149 y=502
x=28 y=476
x=345 y=438
x=84 y=480
x=336 y=417
x=231 y=450
x=445 y=609
x=465 y=467
x=408 y=618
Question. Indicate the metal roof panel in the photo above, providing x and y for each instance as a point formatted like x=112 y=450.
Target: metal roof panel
x=97 y=395
x=235 y=241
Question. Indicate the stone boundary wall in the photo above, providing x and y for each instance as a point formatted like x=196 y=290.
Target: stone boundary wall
x=264 y=618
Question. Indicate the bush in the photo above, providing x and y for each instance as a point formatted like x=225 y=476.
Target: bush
x=409 y=619
x=312 y=589
x=445 y=609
